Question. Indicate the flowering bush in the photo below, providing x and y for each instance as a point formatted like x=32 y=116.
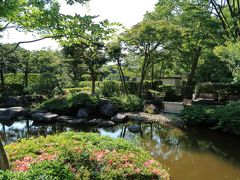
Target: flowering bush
x=80 y=156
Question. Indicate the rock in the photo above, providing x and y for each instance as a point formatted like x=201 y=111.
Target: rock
x=45 y=117
x=4 y=111
x=34 y=111
x=151 y=109
x=65 y=118
x=106 y=124
x=93 y=122
x=21 y=118
x=12 y=113
x=83 y=113
x=119 y=118
x=5 y=118
x=75 y=121
x=17 y=112
x=11 y=101
x=135 y=128
x=108 y=110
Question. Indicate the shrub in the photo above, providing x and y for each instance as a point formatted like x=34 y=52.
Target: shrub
x=228 y=117
x=78 y=90
x=220 y=90
x=68 y=101
x=80 y=156
x=110 y=88
x=198 y=114
x=47 y=85
x=224 y=117
x=128 y=102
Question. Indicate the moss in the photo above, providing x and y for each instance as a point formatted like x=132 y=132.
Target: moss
x=80 y=156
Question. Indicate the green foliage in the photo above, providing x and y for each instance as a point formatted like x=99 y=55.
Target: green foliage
x=228 y=118
x=221 y=90
x=48 y=84
x=80 y=156
x=224 y=117
x=198 y=114
x=230 y=53
x=69 y=101
x=128 y=102
x=45 y=170
x=110 y=88
x=18 y=78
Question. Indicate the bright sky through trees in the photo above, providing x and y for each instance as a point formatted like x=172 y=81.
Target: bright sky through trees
x=127 y=12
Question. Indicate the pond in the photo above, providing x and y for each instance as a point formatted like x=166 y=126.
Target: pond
x=189 y=153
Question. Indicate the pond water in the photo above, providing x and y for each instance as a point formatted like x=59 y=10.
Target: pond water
x=191 y=154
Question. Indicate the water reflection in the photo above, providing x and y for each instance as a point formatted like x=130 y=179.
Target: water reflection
x=189 y=153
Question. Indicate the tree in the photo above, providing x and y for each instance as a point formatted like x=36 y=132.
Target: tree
x=147 y=38
x=230 y=53
x=40 y=16
x=228 y=13
x=115 y=53
x=90 y=50
x=8 y=63
x=201 y=32
x=93 y=56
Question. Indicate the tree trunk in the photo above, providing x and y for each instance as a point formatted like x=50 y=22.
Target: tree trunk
x=93 y=84
x=139 y=93
x=161 y=70
x=143 y=73
x=4 y=164
x=152 y=75
x=121 y=74
x=2 y=79
x=26 y=78
x=191 y=76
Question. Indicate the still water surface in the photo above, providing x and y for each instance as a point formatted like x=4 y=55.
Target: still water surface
x=190 y=154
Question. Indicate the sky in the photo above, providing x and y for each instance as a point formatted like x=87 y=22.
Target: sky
x=127 y=12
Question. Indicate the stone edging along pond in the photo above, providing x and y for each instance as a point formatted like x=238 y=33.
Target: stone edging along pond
x=8 y=115
x=72 y=155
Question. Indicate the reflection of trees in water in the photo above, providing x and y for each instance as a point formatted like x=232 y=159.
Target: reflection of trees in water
x=176 y=143
x=164 y=142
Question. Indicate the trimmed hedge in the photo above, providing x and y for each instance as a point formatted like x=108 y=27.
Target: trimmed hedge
x=80 y=156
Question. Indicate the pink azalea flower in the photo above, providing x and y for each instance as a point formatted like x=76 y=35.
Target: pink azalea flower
x=149 y=162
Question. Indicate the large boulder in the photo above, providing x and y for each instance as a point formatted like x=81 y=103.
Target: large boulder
x=151 y=109
x=106 y=124
x=12 y=113
x=120 y=118
x=64 y=118
x=76 y=121
x=108 y=110
x=71 y=120
x=17 y=112
x=11 y=101
x=83 y=113
x=93 y=122
x=135 y=128
x=4 y=114
x=45 y=117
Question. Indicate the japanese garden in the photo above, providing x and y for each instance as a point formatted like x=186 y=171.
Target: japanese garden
x=155 y=99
